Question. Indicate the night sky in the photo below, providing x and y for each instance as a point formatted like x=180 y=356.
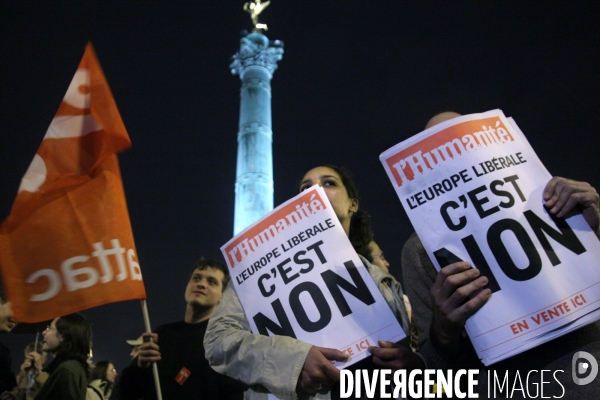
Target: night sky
x=356 y=78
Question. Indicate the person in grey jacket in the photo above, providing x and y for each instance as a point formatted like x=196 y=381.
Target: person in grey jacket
x=290 y=368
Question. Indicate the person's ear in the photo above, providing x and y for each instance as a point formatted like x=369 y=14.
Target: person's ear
x=353 y=205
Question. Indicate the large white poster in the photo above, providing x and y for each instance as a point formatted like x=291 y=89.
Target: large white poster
x=472 y=188
x=297 y=274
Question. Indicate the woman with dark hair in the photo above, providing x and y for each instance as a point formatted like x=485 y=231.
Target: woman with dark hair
x=102 y=381
x=282 y=365
x=69 y=339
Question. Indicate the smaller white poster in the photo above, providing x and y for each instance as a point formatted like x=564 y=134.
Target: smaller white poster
x=297 y=274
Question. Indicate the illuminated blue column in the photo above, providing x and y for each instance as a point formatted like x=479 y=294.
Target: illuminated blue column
x=254 y=63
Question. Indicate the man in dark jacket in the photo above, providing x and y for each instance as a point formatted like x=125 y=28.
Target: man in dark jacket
x=178 y=348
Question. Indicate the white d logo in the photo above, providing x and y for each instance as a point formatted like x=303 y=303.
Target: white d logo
x=589 y=365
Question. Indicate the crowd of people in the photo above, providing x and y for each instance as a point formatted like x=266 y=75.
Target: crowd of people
x=213 y=354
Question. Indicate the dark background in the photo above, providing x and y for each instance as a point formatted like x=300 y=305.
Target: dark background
x=356 y=78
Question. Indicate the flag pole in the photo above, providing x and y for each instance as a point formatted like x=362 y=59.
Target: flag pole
x=154 y=367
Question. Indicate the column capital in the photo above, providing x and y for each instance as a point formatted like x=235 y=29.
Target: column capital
x=256 y=50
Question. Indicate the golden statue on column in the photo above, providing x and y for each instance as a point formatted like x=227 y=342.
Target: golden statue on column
x=255 y=8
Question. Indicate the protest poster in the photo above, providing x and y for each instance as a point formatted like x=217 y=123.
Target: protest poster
x=472 y=188
x=296 y=274
x=67 y=244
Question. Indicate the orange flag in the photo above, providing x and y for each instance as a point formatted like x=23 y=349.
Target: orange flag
x=67 y=244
